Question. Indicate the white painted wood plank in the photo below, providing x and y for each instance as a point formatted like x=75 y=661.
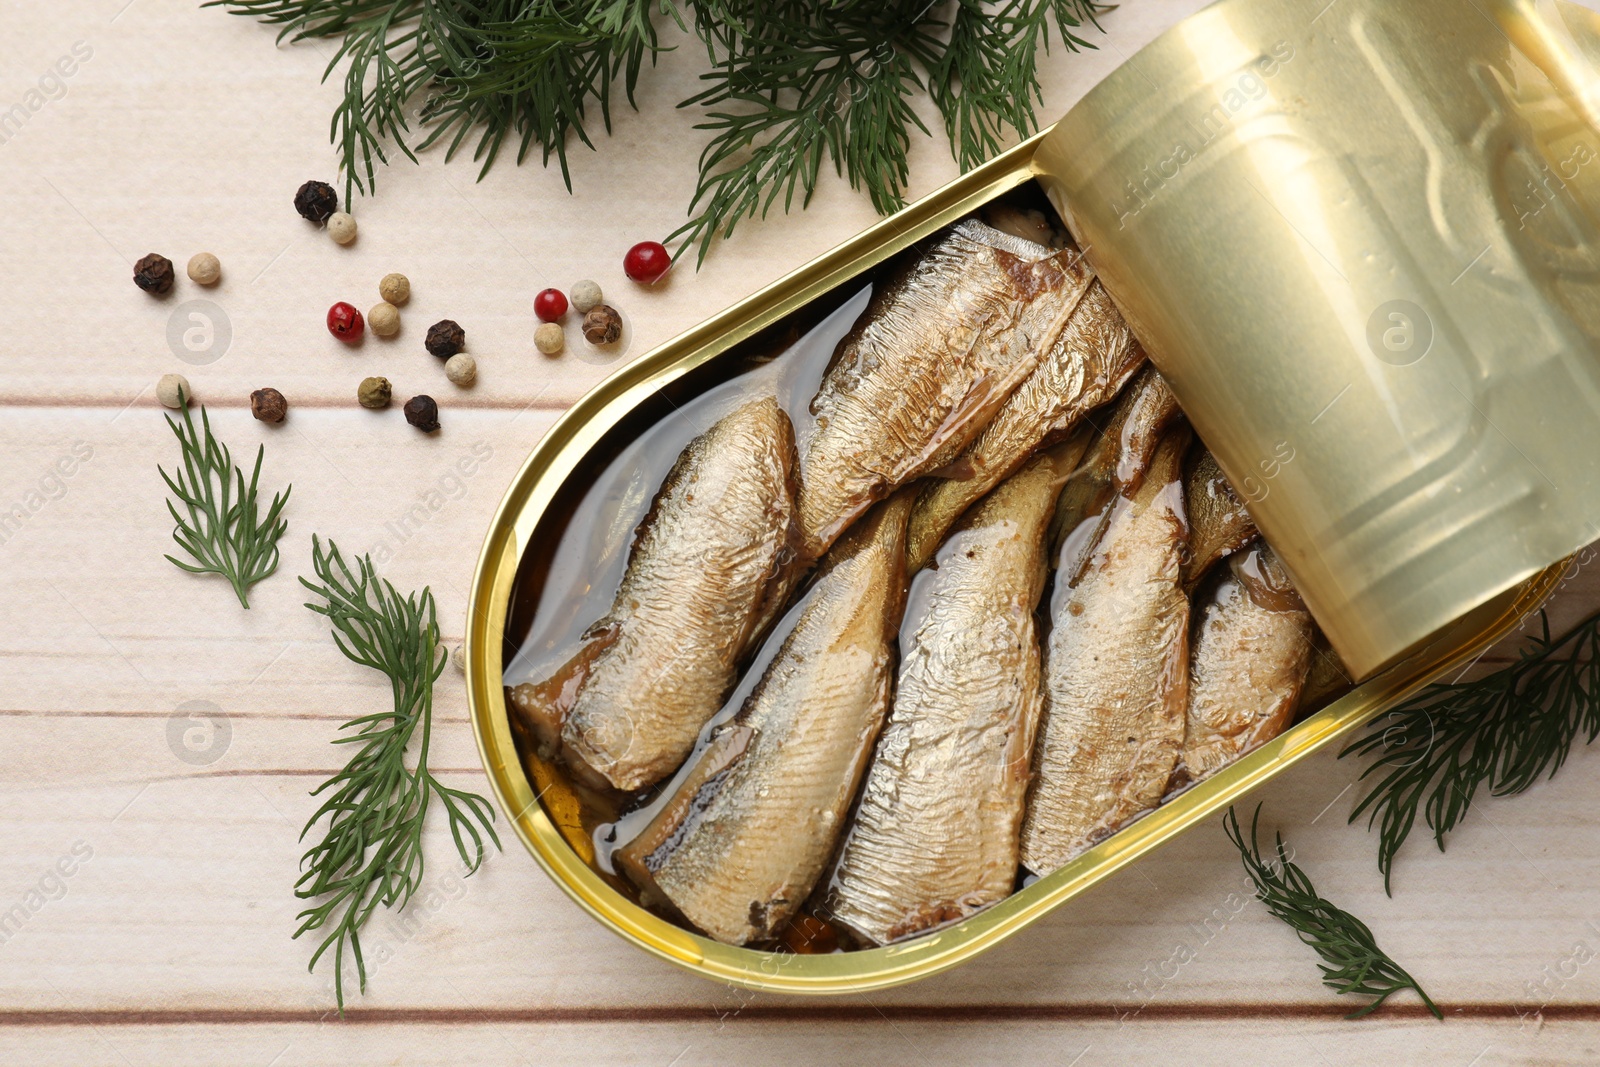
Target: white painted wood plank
x=109 y=624
x=888 y=1041
x=185 y=900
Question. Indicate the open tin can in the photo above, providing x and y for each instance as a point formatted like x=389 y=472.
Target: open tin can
x=1419 y=533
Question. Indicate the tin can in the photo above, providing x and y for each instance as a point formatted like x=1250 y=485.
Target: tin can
x=1414 y=648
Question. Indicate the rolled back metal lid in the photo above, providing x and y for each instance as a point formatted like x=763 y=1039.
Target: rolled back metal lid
x=1359 y=238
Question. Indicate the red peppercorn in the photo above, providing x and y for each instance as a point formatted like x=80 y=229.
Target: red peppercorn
x=646 y=262
x=550 y=305
x=345 y=322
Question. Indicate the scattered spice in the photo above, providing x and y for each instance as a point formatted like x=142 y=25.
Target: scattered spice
x=316 y=201
x=268 y=405
x=461 y=369
x=204 y=268
x=374 y=393
x=384 y=319
x=173 y=391
x=345 y=322
x=446 y=338
x=395 y=288
x=549 y=338
x=550 y=305
x=459 y=658
x=423 y=413
x=602 y=325
x=153 y=274
x=585 y=295
x=646 y=262
x=342 y=227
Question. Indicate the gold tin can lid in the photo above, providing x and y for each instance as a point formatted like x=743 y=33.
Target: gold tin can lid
x=1362 y=241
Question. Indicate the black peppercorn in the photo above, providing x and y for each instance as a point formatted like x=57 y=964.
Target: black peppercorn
x=153 y=274
x=268 y=405
x=445 y=338
x=423 y=413
x=316 y=201
x=602 y=325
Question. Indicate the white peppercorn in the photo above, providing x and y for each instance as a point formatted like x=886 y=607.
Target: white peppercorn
x=204 y=268
x=549 y=338
x=384 y=319
x=395 y=288
x=585 y=295
x=459 y=658
x=342 y=227
x=461 y=369
x=173 y=391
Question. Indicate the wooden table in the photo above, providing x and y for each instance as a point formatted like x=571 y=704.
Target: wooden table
x=182 y=130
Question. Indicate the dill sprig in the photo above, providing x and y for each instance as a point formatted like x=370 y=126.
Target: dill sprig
x=371 y=849
x=521 y=69
x=791 y=85
x=795 y=83
x=1504 y=731
x=1354 y=962
x=985 y=81
x=221 y=526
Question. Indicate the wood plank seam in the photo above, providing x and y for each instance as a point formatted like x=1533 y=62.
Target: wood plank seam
x=954 y=1013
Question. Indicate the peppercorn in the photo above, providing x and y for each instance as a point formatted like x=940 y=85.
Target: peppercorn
x=342 y=227
x=268 y=405
x=585 y=295
x=384 y=319
x=461 y=369
x=345 y=322
x=549 y=338
x=204 y=268
x=445 y=338
x=550 y=305
x=173 y=390
x=646 y=262
x=602 y=325
x=316 y=201
x=459 y=658
x=153 y=274
x=423 y=413
x=374 y=393
x=395 y=288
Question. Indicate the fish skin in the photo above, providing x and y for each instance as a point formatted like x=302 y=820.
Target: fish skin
x=934 y=837
x=1113 y=467
x=1219 y=523
x=1088 y=366
x=938 y=350
x=1116 y=675
x=718 y=545
x=749 y=828
x=1248 y=665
